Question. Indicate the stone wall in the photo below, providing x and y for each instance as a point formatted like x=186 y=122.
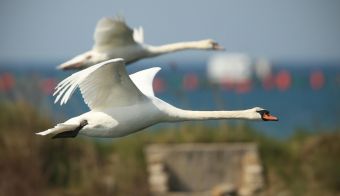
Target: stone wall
x=204 y=169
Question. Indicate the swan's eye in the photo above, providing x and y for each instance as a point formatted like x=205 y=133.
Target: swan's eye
x=263 y=112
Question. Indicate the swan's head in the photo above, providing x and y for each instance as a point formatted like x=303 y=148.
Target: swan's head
x=263 y=114
x=211 y=45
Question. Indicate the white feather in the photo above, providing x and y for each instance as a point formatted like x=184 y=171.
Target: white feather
x=58 y=129
x=121 y=105
x=113 y=38
x=103 y=85
x=143 y=80
x=138 y=35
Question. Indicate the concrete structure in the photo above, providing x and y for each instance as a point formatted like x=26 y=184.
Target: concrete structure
x=204 y=169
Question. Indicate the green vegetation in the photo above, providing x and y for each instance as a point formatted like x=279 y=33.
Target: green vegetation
x=305 y=164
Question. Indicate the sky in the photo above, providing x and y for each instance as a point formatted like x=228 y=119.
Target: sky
x=40 y=30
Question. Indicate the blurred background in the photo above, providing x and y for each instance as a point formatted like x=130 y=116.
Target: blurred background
x=282 y=56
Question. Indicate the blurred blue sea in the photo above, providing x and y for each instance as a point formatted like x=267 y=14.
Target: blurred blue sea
x=297 y=103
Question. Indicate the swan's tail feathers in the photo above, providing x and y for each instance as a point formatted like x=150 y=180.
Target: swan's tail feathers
x=48 y=131
x=64 y=130
x=58 y=129
x=70 y=66
x=78 y=62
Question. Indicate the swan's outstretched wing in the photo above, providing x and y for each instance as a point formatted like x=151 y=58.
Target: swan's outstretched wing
x=102 y=86
x=138 y=35
x=143 y=80
x=111 y=33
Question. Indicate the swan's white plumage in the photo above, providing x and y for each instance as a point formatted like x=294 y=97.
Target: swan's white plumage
x=111 y=33
x=113 y=38
x=138 y=35
x=121 y=105
x=103 y=85
x=59 y=128
x=143 y=80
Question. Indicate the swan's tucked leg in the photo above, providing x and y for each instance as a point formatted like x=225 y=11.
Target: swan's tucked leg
x=71 y=133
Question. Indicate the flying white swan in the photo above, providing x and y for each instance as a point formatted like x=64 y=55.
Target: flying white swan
x=122 y=104
x=114 y=39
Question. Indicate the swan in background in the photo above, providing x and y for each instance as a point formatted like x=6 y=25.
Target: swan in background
x=114 y=39
x=121 y=104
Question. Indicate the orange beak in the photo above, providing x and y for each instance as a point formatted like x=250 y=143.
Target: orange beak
x=268 y=117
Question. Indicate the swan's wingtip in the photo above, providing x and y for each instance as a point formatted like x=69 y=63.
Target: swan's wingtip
x=157 y=68
x=116 y=60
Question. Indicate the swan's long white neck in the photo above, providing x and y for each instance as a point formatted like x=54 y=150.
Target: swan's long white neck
x=176 y=114
x=174 y=47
